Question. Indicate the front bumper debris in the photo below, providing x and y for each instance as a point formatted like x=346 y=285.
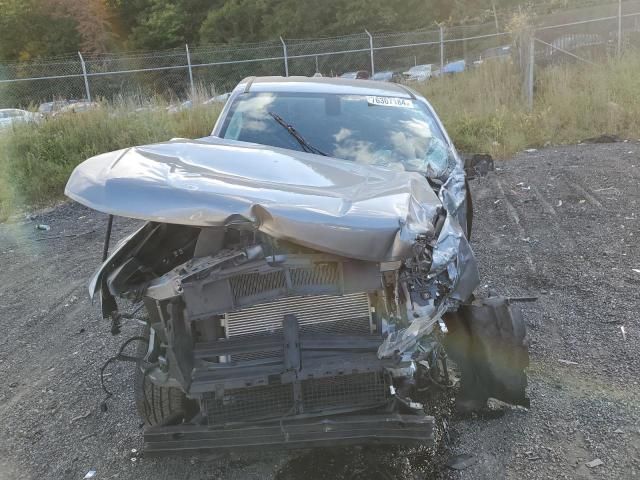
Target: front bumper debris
x=308 y=433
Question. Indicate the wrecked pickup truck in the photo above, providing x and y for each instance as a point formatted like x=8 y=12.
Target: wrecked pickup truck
x=305 y=271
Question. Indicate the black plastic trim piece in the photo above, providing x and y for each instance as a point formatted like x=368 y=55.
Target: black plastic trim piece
x=291 y=434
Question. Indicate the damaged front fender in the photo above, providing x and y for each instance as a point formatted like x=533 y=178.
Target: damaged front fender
x=125 y=249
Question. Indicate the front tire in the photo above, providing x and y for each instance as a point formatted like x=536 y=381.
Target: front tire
x=157 y=405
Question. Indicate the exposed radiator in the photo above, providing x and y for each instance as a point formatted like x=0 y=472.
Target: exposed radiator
x=347 y=314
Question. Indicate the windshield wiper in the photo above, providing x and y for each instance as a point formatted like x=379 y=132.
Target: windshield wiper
x=306 y=146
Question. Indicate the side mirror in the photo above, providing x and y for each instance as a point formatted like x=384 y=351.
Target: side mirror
x=478 y=165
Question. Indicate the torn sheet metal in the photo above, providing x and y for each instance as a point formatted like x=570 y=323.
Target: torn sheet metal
x=452 y=250
x=406 y=339
x=340 y=207
x=453 y=265
x=453 y=254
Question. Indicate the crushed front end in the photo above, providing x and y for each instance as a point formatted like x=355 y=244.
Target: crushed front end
x=293 y=315
x=269 y=334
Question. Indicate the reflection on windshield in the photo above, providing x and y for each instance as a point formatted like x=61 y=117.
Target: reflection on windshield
x=370 y=130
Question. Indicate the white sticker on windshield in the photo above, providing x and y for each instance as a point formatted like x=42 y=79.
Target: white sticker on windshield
x=390 y=102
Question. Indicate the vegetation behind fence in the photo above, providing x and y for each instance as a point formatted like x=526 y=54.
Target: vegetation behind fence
x=482 y=109
x=174 y=74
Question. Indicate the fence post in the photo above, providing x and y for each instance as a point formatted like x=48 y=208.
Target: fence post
x=193 y=89
x=373 y=66
x=286 y=57
x=441 y=49
x=530 y=71
x=619 y=27
x=495 y=15
x=86 y=78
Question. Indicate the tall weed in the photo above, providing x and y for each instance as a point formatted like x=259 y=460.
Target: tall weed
x=36 y=159
x=484 y=109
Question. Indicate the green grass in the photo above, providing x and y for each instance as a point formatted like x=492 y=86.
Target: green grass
x=483 y=110
x=36 y=159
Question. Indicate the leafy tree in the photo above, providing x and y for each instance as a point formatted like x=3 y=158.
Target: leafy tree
x=254 y=20
x=140 y=23
x=160 y=26
x=126 y=15
x=28 y=31
x=39 y=28
x=236 y=20
x=92 y=20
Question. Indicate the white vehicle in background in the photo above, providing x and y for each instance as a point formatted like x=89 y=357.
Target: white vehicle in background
x=222 y=98
x=9 y=116
x=49 y=108
x=419 y=73
x=77 y=107
x=496 y=54
x=387 y=76
x=357 y=75
x=186 y=105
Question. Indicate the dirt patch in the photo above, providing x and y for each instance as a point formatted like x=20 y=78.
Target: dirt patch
x=561 y=224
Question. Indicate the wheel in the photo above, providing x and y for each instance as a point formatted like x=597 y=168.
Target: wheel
x=488 y=341
x=159 y=405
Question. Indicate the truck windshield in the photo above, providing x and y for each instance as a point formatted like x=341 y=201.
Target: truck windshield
x=384 y=131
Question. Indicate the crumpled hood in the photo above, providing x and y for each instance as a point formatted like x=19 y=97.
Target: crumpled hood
x=327 y=204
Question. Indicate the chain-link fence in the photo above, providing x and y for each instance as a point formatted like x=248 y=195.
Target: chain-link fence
x=586 y=40
x=175 y=75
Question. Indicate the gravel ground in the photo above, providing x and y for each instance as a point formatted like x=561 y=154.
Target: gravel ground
x=561 y=224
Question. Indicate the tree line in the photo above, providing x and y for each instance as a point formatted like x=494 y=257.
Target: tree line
x=32 y=29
